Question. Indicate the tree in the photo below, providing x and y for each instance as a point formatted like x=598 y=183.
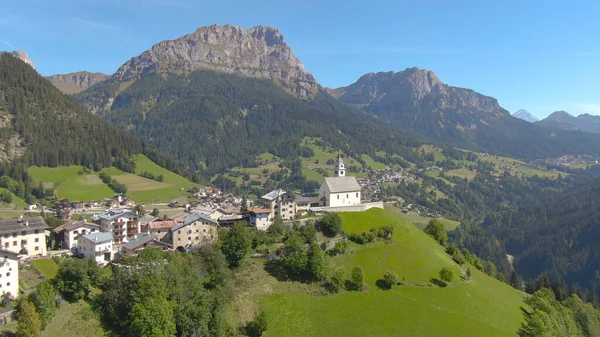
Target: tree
x=30 y=324
x=446 y=275
x=44 y=301
x=236 y=244
x=155 y=212
x=295 y=258
x=331 y=224
x=258 y=325
x=152 y=317
x=72 y=279
x=309 y=232
x=244 y=209
x=390 y=278
x=316 y=262
x=139 y=209
x=337 y=280
x=277 y=227
x=357 y=278
x=435 y=228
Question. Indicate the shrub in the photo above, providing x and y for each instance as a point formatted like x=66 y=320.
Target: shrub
x=337 y=280
x=446 y=275
x=436 y=230
x=331 y=224
x=339 y=248
x=357 y=279
x=390 y=278
x=258 y=325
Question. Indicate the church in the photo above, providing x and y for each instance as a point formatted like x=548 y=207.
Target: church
x=339 y=190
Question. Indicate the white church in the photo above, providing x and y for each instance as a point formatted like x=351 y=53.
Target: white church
x=339 y=190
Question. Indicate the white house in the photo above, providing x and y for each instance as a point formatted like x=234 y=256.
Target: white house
x=280 y=203
x=339 y=190
x=124 y=225
x=9 y=273
x=24 y=236
x=96 y=246
x=261 y=218
x=66 y=235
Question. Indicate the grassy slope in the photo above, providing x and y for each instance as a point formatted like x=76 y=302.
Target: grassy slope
x=46 y=266
x=89 y=186
x=17 y=202
x=482 y=307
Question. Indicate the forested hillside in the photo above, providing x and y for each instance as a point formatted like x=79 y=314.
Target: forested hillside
x=41 y=126
x=557 y=235
x=213 y=121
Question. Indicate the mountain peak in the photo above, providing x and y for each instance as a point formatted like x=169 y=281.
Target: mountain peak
x=23 y=56
x=559 y=116
x=525 y=115
x=76 y=82
x=255 y=52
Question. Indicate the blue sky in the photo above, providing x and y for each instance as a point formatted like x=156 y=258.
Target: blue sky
x=541 y=56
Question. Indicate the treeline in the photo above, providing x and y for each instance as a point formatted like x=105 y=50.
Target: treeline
x=150 y=175
x=113 y=183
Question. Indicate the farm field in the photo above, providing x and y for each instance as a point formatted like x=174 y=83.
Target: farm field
x=87 y=187
x=480 y=307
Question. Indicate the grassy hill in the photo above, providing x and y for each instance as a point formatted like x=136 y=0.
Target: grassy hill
x=480 y=307
x=69 y=183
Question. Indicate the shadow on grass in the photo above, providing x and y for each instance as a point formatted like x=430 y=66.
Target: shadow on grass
x=276 y=269
x=381 y=284
x=525 y=329
x=438 y=283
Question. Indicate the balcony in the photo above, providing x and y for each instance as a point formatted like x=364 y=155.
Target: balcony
x=103 y=251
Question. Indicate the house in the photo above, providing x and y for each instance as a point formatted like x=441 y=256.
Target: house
x=92 y=204
x=302 y=205
x=66 y=235
x=339 y=190
x=9 y=273
x=31 y=207
x=145 y=220
x=77 y=204
x=226 y=221
x=24 y=236
x=124 y=225
x=144 y=240
x=193 y=231
x=261 y=218
x=160 y=228
x=96 y=246
x=280 y=203
x=63 y=203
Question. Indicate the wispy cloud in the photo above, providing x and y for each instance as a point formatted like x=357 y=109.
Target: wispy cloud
x=592 y=109
x=8 y=44
x=93 y=24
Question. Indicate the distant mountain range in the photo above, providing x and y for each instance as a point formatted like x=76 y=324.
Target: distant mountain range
x=562 y=120
x=76 y=82
x=525 y=115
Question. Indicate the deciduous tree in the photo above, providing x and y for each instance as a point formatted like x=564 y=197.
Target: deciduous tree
x=30 y=324
x=236 y=244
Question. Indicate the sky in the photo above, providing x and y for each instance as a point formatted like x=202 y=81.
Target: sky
x=541 y=56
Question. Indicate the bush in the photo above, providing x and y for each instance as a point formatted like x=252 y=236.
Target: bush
x=337 y=280
x=331 y=224
x=390 y=278
x=258 y=325
x=385 y=232
x=446 y=275
x=357 y=279
x=339 y=248
x=436 y=230
x=362 y=238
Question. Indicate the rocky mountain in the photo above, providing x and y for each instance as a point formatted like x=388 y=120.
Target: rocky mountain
x=562 y=120
x=41 y=126
x=23 y=56
x=525 y=115
x=256 y=52
x=416 y=100
x=76 y=82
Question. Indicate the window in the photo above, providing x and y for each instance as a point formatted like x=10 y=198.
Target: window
x=37 y=239
x=23 y=233
x=357 y=194
x=23 y=242
x=14 y=235
x=189 y=238
x=37 y=248
x=346 y=195
x=8 y=284
x=7 y=244
x=14 y=243
x=7 y=274
x=338 y=196
x=197 y=238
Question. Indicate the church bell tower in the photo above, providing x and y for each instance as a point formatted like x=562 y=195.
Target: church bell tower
x=339 y=170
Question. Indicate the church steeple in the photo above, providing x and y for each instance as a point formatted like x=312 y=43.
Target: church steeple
x=339 y=170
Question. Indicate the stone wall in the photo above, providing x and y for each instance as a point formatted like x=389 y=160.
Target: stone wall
x=358 y=208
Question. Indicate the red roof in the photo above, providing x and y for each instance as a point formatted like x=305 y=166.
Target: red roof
x=259 y=210
x=163 y=224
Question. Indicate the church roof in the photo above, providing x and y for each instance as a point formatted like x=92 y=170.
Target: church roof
x=342 y=184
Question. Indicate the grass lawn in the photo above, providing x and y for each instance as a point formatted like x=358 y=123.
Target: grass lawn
x=74 y=319
x=480 y=307
x=17 y=203
x=53 y=174
x=412 y=254
x=436 y=151
x=85 y=188
x=374 y=165
x=463 y=173
x=46 y=266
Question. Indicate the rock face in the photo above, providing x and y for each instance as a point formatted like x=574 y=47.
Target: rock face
x=76 y=82
x=562 y=120
x=416 y=99
x=525 y=115
x=24 y=57
x=256 y=52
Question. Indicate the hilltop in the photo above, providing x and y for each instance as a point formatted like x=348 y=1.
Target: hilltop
x=562 y=120
x=525 y=115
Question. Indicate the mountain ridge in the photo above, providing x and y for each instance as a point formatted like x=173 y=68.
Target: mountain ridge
x=75 y=82
x=562 y=120
x=525 y=115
